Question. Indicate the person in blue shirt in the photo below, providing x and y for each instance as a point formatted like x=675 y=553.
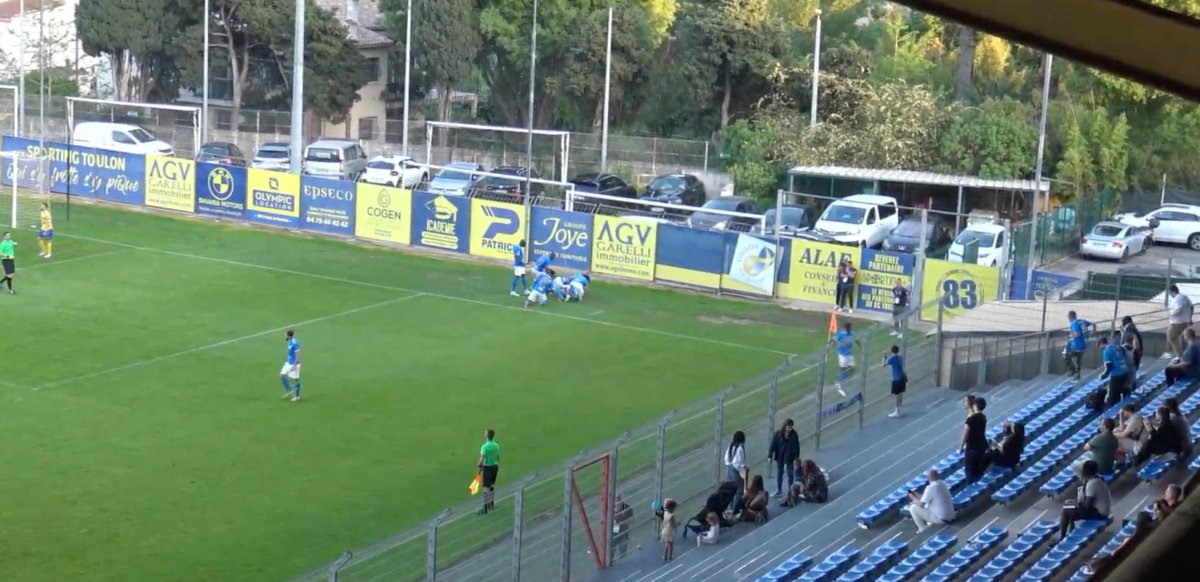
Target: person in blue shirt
x=543 y=263
x=1188 y=366
x=892 y=359
x=519 y=269
x=542 y=284
x=845 y=341
x=578 y=287
x=1116 y=370
x=1077 y=343
x=291 y=367
x=561 y=282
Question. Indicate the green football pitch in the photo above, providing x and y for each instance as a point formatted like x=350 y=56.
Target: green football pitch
x=144 y=433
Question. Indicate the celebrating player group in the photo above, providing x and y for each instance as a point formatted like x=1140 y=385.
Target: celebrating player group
x=546 y=282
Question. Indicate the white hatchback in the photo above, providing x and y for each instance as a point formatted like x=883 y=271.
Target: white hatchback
x=396 y=171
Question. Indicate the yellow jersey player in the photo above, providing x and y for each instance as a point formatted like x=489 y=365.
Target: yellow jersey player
x=46 y=232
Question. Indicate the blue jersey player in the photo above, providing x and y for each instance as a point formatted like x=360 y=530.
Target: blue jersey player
x=578 y=287
x=291 y=367
x=542 y=284
x=519 y=269
x=845 y=341
x=561 y=284
x=543 y=263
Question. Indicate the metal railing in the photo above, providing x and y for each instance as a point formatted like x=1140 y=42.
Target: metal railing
x=558 y=522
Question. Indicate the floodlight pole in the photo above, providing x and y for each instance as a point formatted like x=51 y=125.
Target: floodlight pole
x=41 y=75
x=408 y=73
x=1047 y=63
x=816 y=74
x=21 y=70
x=607 y=85
x=297 y=137
x=204 y=82
x=532 y=84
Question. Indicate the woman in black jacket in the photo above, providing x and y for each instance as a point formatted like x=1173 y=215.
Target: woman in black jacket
x=1005 y=452
x=785 y=449
x=1164 y=438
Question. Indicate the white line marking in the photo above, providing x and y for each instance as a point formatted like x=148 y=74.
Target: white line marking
x=595 y=313
x=226 y=342
x=435 y=295
x=52 y=262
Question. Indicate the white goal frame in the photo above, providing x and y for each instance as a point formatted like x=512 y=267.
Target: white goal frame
x=195 y=111
x=16 y=112
x=564 y=139
x=14 y=158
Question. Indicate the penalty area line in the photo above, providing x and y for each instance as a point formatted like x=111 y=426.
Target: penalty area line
x=434 y=295
x=225 y=342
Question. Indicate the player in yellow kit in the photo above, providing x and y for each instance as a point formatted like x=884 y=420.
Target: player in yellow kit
x=46 y=232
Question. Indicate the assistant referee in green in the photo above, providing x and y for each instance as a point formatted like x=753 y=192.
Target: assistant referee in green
x=489 y=467
x=7 y=259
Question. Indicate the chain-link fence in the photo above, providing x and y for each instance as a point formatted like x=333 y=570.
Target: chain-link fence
x=559 y=522
x=1059 y=231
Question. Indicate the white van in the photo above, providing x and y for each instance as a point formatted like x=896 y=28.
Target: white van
x=992 y=236
x=120 y=137
x=862 y=219
x=340 y=159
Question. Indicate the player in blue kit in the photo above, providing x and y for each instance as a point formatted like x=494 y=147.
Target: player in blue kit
x=543 y=263
x=845 y=341
x=542 y=284
x=578 y=287
x=519 y=269
x=561 y=285
x=291 y=367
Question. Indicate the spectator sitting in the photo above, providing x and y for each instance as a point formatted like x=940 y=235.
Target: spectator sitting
x=1005 y=452
x=1132 y=432
x=754 y=504
x=1188 y=364
x=934 y=506
x=1143 y=525
x=1171 y=499
x=710 y=535
x=812 y=486
x=717 y=503
x=1164 y=438
x=1179 y=421
x=1103 y=448
x=1092 y=500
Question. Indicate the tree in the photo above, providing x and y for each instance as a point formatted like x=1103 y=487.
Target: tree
x=994 y=140
x=446 y=42
x=138 y=37
x=1076 y=165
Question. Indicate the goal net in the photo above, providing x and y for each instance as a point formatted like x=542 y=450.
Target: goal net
x=26 y=185
x=9 y=110
x=490 y=146
x=177 y=125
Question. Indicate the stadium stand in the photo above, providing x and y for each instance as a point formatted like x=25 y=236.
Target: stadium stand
x=1157 y=468
x=975 y=549
x=1025 y=546
x=789 y=569
x=1063 y=552
x=832 y=565
x=920 y=559
x=879 y=560
x=1107 y=549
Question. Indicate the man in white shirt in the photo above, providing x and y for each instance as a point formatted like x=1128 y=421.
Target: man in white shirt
x=1179 y=318
x=934 y=506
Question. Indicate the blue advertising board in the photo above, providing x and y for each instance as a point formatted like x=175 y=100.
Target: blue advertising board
x=220 y=190
x=79 y=171
x=877 y=275
x=567 y=234
x=689 y=256
x=1043 y=282
x=441 y=222
x=327 y=205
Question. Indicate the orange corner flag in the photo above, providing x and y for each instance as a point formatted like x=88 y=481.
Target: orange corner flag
x=832 y=323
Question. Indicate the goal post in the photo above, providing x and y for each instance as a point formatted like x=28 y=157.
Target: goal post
x=26 y=181
x=10 y=109
x=501 y=145
x=178 y=125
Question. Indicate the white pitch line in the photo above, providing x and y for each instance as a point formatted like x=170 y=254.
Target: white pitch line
x=52 y=262
x=435 y=295
x=226 y=342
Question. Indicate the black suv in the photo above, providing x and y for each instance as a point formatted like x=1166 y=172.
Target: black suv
x=676 y=189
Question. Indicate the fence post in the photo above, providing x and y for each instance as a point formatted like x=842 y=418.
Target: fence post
x=518 y=524
x=719 y=458
x=706 y=142
x=1045 y=306
x=772 y=409
x=939 y=342
x=338 y=564
x=1116 y=302
x=431 y=546
x=981 y=377
x=1170 y=273
x=568 y=512
x=608 y=518
x=660 y=461
x=1044 y=368
x=862 y=379
x=820 y=397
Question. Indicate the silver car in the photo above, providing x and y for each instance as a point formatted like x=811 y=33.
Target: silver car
x=1114 y=240
x=273 y=156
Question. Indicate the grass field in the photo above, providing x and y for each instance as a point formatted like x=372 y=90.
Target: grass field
x=144 y=433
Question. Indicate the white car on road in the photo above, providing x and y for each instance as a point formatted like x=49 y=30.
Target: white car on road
x=397 y=171
x=1172 y=223
x=1113 y=240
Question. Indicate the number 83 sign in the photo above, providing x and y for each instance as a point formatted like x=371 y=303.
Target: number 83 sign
x=961 y=287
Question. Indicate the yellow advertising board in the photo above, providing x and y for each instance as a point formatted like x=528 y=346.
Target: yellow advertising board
x=496 y=227
x=273 y=197
x=383 y=213
x=962 y=287
x=624 y=246
x=813 y=270
x=170 y=183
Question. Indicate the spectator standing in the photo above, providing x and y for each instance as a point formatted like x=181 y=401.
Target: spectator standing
x=1102 y=449
x=1092 y=500
x=900 y=298
x=670 y=526
x=622 y=520
x=1132 y=431
x=1077 y=343
x=1179 y=318
x=489 y=468
x=846 y=276
x=735 y=467
x=1131 y=338
x=895 y=361
x=1188 y=364
x=840 y=285
x=974 y=443
x=1115 y=370
x=845 y=341
x=785 y=449
x=933 y=506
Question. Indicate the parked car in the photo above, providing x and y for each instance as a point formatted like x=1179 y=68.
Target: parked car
x=712 y=221
x=862 y=219
x=794 y=219
x=221 y=152
x=510 y=182
x=993 y=240
x=1113 y=240
x=455 y=179
x=395 y=171
x=1172 y=223
x=273 y=156
x=906 y=238
x=120 y=137
x=676 y=189
x=340 y=159
x=606 y=184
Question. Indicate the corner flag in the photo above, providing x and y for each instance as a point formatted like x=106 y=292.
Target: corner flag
x=832 y=324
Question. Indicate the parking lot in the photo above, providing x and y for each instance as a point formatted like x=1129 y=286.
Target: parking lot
x=1182 y=261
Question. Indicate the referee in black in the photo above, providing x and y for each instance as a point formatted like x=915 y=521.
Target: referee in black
x=489 y=468
x=7 y=259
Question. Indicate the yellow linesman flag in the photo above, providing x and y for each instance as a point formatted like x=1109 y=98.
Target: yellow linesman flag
x=476 y=483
